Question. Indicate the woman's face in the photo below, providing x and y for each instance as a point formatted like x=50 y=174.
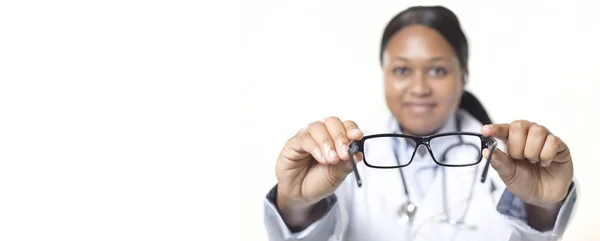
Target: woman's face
x=423 y=79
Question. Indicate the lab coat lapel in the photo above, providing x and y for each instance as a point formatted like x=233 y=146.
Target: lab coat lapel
x=430 y=204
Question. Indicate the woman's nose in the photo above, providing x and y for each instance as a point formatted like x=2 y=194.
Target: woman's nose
x=419 y=85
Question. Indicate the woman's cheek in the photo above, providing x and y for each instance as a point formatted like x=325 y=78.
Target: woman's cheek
x=398 y=86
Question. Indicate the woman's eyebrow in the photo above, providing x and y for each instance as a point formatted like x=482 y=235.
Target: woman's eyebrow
x=438 y=58
x=402 y=59
x=433 y=59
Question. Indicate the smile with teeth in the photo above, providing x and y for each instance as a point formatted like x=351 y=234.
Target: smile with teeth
x=420 y=107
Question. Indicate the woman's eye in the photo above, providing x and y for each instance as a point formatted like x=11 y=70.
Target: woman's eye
x=437 y=71
x=401 y=71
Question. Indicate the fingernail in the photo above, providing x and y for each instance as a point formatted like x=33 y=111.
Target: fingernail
x=319 y=155
x=355 y=132
x=344 y=148
x=332 y=154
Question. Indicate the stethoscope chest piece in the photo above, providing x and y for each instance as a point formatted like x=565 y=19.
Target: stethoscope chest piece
x=406 y=213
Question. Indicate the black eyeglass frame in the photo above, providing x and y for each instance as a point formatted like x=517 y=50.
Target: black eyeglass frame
x=359 y=146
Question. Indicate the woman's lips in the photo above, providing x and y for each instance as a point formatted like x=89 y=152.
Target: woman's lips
x=420 y=107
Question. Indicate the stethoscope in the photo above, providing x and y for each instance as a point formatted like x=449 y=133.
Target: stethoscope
x=407 y=211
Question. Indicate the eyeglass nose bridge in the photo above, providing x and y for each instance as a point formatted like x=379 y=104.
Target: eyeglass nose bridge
x=422 y=141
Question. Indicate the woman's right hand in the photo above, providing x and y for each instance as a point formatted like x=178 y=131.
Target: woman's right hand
x=312 y=165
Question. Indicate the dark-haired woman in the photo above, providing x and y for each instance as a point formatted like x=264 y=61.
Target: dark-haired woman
x=423 y=171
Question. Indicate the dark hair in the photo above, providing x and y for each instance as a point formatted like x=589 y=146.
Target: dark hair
x=445 y=22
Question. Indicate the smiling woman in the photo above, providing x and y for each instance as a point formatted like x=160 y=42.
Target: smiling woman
x=424 y=58
x=423 y=79
x=425 y=67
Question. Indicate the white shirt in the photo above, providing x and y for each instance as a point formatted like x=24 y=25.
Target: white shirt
x=369 y=212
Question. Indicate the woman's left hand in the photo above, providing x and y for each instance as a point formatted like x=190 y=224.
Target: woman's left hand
x=536 y=167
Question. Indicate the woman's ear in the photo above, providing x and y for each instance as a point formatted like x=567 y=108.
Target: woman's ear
x=464 y=78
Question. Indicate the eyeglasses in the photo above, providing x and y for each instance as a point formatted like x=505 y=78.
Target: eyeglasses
x=469 y=145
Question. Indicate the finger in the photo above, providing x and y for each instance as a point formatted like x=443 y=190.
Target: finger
x=358 y=157
x=562 y=156
x=308 y=144
x=536 y=137
x=555 y=150
x=346 y=167
x=499 y=131
x=562 y=147
x=319 y=133
x=301 y=146
x=354 y=133
x=517 y=138
x=337 y=131
x=549 y=150
x=502 y=163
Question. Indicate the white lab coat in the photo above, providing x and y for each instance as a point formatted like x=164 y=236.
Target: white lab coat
x=369 y=212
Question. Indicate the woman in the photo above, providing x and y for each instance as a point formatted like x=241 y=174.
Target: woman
x=416 y=183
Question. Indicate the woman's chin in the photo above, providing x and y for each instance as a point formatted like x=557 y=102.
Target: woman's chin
x=421 y=124
x=420 y=127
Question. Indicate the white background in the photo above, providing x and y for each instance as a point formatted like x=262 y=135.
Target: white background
x=116 y=120
x=148 y=120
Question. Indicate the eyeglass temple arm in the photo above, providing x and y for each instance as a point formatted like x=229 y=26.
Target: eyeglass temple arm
x=354 y=148
x=492 y=145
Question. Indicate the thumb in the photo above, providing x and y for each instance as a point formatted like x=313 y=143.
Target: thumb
x=503 y=164
x=345 y=167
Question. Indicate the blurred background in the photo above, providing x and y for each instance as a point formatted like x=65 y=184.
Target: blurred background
x=534 y=60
